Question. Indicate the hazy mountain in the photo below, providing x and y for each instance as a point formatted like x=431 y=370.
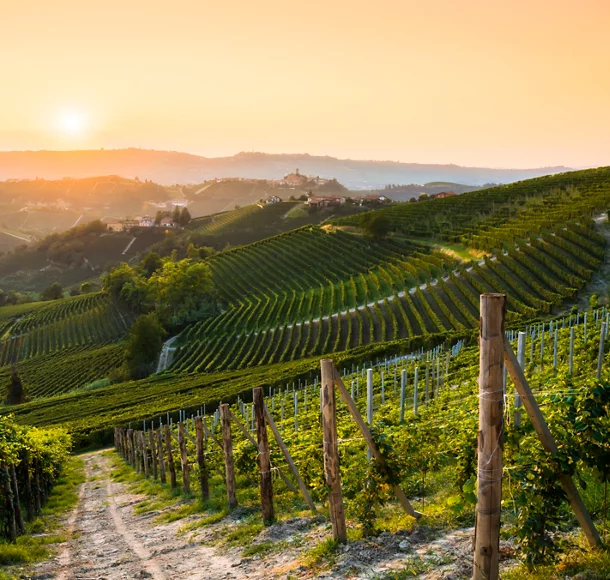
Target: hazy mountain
x=167 y=167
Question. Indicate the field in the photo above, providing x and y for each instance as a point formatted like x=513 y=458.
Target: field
x=63 y=345
x=320 y=290
x=398 y=315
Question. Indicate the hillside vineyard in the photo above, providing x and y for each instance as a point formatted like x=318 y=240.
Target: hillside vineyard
x=319 y=290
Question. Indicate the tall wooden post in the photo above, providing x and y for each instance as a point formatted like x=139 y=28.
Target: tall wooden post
x=227 y=445
x=264 y=461
x=203 y=469
x=491 y=437
x=184 y=461
x=170 y=456
x=160 y=456
x=331 y=452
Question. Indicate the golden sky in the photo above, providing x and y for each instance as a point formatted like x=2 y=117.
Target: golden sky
x=517 y=83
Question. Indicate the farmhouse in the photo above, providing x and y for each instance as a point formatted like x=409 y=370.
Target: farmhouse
x=146 y=222
x=167 y=222
x=317 y=202
x=116 y=227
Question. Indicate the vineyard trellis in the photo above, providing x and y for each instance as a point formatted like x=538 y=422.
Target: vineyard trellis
x=386 y=383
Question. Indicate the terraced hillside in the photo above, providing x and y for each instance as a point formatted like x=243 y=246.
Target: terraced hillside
x=292 y=297
x=316 y=291
x=61 y=345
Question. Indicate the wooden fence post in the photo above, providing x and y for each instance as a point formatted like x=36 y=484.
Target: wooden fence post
x=153 y=454
x=331 y=452
x=170 y=456
x=227 y=445
x=29 y=500
x=491 y=437
x=17 y=502
x=130 y=458
x=144 y=453
x=203 y=470
x=160 y=455
x=184 y=460
x=263 y=456
x=600 y=355
x=11 y=522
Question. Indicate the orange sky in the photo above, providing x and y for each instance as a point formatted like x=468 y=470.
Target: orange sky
x=472 y=82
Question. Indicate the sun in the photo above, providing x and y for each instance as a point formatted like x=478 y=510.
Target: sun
x=72 y=123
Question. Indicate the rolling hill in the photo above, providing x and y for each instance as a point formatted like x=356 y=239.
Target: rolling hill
x=312 y=291
x=170 y=167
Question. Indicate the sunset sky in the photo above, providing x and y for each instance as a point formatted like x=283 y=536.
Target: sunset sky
x=474 y=82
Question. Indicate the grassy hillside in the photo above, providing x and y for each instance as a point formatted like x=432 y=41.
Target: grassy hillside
x=295 y=296
x=60 y=345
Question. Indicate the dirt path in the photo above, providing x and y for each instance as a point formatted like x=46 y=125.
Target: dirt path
x=110 y=541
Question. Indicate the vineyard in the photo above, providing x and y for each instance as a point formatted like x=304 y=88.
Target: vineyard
x=62 y=345
x=30 y=462
x=421 y=411
x=289 y=299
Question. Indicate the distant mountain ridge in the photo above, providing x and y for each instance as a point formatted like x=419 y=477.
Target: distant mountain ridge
x=168 y=167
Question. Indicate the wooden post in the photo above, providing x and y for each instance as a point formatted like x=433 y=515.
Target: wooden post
x=160 y=455
x=227 y=445
x=403 y=387
x=184 y=460
x=37 y=485
x=29 y=499
x=571 y=363
x=144 y=448
x=203 y=470
x=331 y=452
x=366 y=433
x=17 y=502
x=263 y=456
x=170 y=456
x=600 y=356
x=130 y=452
x=153 y=453
x=11 y=522
x=288 y=458
x=491 y=437
x=546 y=438
x=369 y=403
x=555 y=345
x=416 y=391
x=427 y=382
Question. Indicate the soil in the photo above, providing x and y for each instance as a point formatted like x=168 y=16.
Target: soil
x=109 y=540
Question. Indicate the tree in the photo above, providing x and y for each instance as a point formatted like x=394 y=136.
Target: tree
x=52 y=292
x=423 y=196
x=2 y=297
x=150 y=264
x=114 y=281
x=16 y=393
x=160 y=215
x=86 y=288
x=185 y=217
x=176 y=214
x=144 y=345
x=375 y=225
x=182 y=290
